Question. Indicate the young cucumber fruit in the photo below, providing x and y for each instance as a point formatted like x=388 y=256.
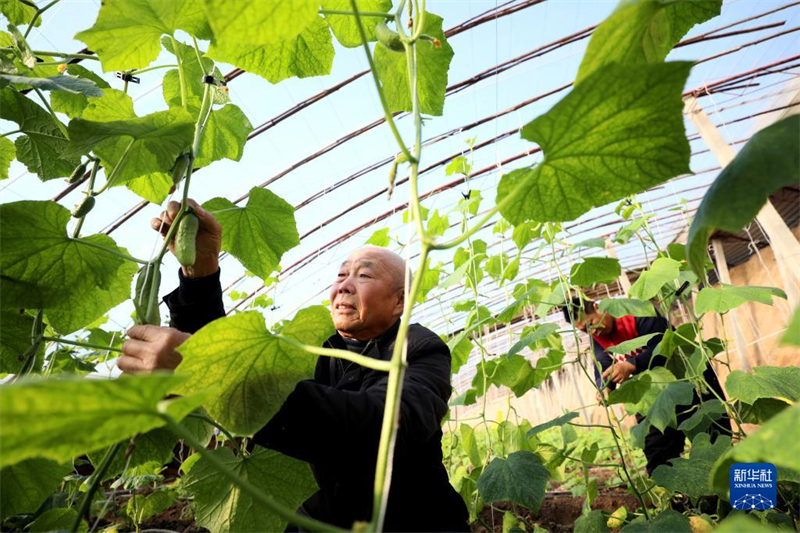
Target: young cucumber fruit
x=388 y=38
x=185 y=240
x=149 y=279
x=83 y=207
x=180 y=167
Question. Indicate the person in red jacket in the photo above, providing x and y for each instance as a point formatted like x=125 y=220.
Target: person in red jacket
x=606 y=331
x=334 y=420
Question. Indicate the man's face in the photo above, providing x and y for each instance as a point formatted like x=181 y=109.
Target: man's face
x=595 y=322
x=365 y=298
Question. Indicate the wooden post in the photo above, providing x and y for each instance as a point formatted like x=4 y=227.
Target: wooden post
x=733 y=317
x=624 y=282
x=784 y=245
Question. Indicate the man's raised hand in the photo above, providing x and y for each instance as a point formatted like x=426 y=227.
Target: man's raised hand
x=209 y=237
x=619 y=371
x=151 y=348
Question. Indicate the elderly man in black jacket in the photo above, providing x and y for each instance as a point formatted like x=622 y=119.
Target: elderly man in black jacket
x=334 y=420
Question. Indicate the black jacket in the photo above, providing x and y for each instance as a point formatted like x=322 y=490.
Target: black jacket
x=334 y=422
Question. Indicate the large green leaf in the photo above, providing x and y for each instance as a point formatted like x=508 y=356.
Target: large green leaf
x=27 y=484
x=619 y=307
x=7 y=154
x=690 y=476
x=60 y=419
x=460 y=347
x=591 y=522
x=594 y=270
x=521 y=479
x=344 y=26
x=250 y=370
x=41 y=147
x=765 y=382
x=310 y=53
x=42 y=267
x=662 y=271
x=727 y=297
x=73 y=105
x=629 y=137
x=258 y=234
x=57 y=519
x=643 y=31
x=224 y=137
x=774 y=442
x=17 y=13
x=255 y=23
x=108 y=125
x=626 y=347
x=126 y=33
x=193 y=73
x=662 y=413
x=68 y=84
x=432 y=66
x=769 y=161
x=224 y=508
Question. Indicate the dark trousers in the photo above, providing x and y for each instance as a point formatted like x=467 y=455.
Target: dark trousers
x=661 y=447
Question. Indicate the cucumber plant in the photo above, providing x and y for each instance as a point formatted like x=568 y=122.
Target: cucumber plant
x=628 y=103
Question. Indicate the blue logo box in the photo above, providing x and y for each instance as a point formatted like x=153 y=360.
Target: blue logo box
x=753 y=486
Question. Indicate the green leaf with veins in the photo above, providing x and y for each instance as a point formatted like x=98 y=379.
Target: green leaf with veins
x=108 y=125
x=668 y=521
x=591 y=522
x=594 y=270
x=770 y=160
x=259 y=234
x=57 y=519
x=380 y=238
x=17 y=13
x=224 y=137
x=619 y=307
x=630 y=137
x=631 y=345
x=27 y=484
x=765 y=382
x=15 y=339
x=430 y=280
x=521 y=479
x=432 y=66
x=250 y=370
x=460 y=347
x=42 y=267
x=155 y=445
x=41 y=148
x=310 y=53
x=344 y=26
x=153 y=187
x=225 y=508
x=7 y=154
x=771 y=443
x=662 y=271
x=256 y=23
x=643 y=31
x=662 y=413
x=126 y=34
x=69 y=84
x=70 y=104
x=690 y=476
x=193 y=73
x=60 y=419
x=727 y=297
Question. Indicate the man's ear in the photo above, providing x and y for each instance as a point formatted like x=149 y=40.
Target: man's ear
x=401 y=301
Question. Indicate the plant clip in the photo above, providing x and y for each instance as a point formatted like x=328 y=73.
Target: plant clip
x=209 y=79
x=124 y=76
x=682 y=288
x=467 y=195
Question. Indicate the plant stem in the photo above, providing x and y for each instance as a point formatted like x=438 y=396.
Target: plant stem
x=211 y=421
x=378 y=14
x=68 y=56
x=36 y=16
x=52 y=113
x=97 y=478
x=82 y=344
x=110 y=251
x=12 y=132
x=246 y=486
x=180 y=72
x=120 y=164
x=157 y=67
x=197 y=53
x=367 y=362
x=386 y=113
